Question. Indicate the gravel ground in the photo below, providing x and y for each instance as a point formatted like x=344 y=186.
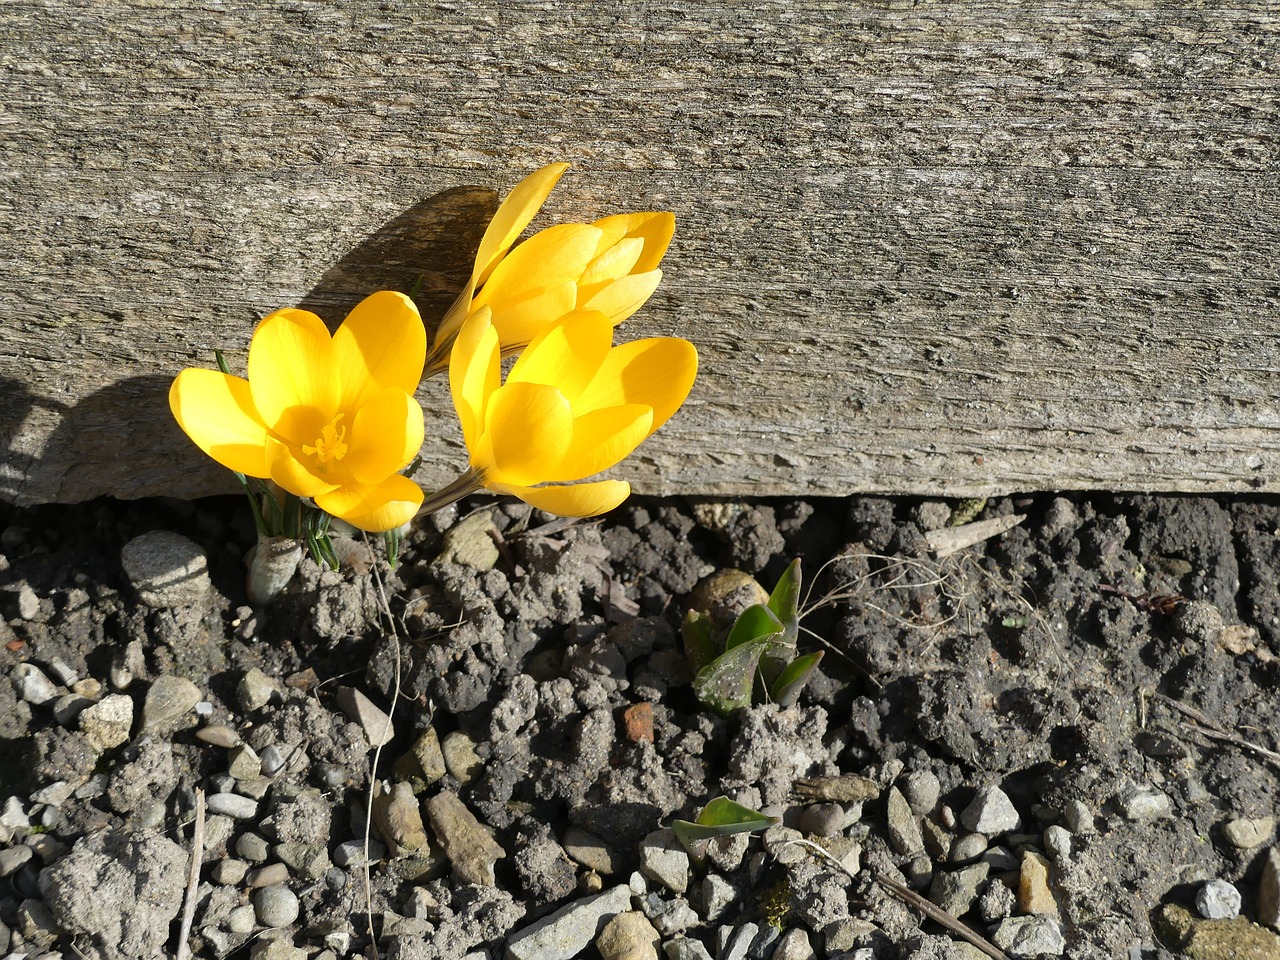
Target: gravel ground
x=1059 y=735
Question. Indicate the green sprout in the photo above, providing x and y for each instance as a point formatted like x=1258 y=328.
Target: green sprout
x=759 y=655
x=719 y=818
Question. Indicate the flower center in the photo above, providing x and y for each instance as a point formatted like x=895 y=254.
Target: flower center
x=331 y=444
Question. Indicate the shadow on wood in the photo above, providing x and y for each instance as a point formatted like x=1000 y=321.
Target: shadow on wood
x=101 y=445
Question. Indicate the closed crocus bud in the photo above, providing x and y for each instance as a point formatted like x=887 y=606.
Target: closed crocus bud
x=609 y=266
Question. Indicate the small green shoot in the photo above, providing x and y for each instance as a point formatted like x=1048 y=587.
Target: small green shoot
x=719 y=818
x=758 y=658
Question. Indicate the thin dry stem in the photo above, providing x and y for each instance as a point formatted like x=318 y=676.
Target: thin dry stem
x=183 y=951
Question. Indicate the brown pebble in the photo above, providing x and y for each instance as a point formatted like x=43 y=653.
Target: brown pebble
x=637 y=721
x=218 y=734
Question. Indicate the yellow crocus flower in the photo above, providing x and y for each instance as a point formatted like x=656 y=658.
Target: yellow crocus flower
x=610 y=266
x=330 y=418
x=572 y=406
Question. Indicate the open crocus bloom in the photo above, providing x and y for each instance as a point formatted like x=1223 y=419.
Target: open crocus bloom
x=610 y=266
x=572 y=406
x=330 y=418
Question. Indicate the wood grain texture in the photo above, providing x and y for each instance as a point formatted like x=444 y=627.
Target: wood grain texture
x=951 y=249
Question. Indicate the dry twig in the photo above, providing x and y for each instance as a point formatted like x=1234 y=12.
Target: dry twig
x=1203 y=725
x=193 y=880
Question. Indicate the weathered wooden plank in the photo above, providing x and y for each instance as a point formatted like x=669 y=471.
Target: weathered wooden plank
x=955 y=249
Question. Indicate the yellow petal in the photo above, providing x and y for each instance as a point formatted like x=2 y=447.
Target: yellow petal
x=623 y=297
x=292 y=475
x=602 y=438
x=216 y=411
x=615 y=262
x=513 y=215
x=474 y=373
x=655 y=228
x=374 y=507
x=658 y=373
x=386 y=434
x=567 y=354
x=381 y=344
x=573 y=500
x=547 y=259
x=528 y=428
x=519 y=322
x=293 y=375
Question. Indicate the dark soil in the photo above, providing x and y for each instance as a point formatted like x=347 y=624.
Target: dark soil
x=1108 y=665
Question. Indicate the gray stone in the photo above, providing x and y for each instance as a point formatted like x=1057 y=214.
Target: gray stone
x=1268 y=903
x=739 y=942
x=32 y=685
x=424 y=762
x=272 y=760
x=567 y=933
x=108 y=722
x=13 y=815
x=229 y=872
x=956 y=890
x=904 y=829
x=1144 y=803
x=275 y=906
x=996 y=902
x=62 y=673
x=168 y=703
x=68 y=707
x=243 y=763
x=664 y=860
x=589 y=850
x=167 y=569
x=276 y=948
x=219 y=735
x=54 y=795
x=308 y=860
x=822 y=819
x=793 y=945
x=233 y=805
x=717 y=894
x=373 y=721
x=921 y=789
x=11 y=858
x=968 y=848
x=1057 y=843
x=669 y=917
x=28 y=603
x=686 y=948
x=990 y=812
x=255 y=690
x=1246 y=833
x=1218 y=900
x=351 y=853
x=1035 y=936
x=271 y=875
x=242 y=920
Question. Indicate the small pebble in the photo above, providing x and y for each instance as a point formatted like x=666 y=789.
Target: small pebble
x=229 y=872
x=375 y=723
x=255 y=690
x=13 y=815
x=167 y=569
x=61 y=672
x=272 y=760
x=28 y=602
x=12 y=858
x=1245 y=833
x=218 y=735
x=243 y=763
x=108 y=722
x=1218 y=900
x=32 y=685
x=167 y=704
x=241 y=920
x=822 y=819
x=991 y=812
x=268 y=876
x=233 y=805
x=1145 y=804
x=921 y=788
x=1057 y=841
x=252 y=847
x=275 y=906
x=460 y=757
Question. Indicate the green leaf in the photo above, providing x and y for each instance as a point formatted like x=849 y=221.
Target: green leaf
x=757 y=622
x=786 y=688
x=719 y=818
x=392 y=540
x=785 y=601
x=725 y=684
x=699 y=640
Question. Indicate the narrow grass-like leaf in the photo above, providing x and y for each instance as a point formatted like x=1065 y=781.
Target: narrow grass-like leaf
x=786 y=688
x=785 y=602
